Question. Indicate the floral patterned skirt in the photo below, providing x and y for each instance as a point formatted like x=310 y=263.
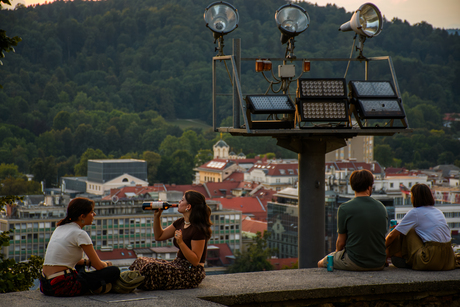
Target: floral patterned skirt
x=168 y=275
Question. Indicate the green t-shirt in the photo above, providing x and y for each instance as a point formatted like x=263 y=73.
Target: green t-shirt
x=365 y=221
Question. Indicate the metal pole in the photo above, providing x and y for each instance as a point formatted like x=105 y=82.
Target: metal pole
x=311 y=236
x=236 y=100
x=214 y=108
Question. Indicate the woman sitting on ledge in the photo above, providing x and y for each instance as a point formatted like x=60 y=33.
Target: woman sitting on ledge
x=421 y=240
x=65 y=252
x=191 y=234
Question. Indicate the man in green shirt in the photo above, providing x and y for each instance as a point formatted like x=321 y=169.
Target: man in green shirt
x=362 y=225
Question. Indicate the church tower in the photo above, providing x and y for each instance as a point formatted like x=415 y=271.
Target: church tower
x=221 y=150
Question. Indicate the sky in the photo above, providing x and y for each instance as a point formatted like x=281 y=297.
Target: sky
x=439 y=13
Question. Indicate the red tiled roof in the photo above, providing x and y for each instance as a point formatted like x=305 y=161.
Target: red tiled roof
x=395 y=170
x=138 y=190
x=247 y=205
x=278 y=169
x=185 y=187
x=253 y=226
x=247 y=185
x=221 y=189
x=224 y=251
x=374 y=167
x=279 y=263
x=216 y=165
x=235 y=176
x=116 y=254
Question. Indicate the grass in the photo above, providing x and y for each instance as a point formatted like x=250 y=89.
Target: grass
x=190 y=123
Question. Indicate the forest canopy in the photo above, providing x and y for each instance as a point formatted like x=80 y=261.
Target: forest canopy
x=107 y=78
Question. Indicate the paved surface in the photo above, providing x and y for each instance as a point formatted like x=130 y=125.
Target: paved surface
x=264 y=287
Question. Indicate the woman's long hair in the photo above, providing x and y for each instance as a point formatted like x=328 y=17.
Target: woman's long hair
x=76 y=208
x=421 y=195
x=200 y=216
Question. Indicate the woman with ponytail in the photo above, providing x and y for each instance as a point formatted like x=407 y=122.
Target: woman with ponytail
x=191 y=234
x=64 y=267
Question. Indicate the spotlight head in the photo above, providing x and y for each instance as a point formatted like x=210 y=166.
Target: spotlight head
x=366 y=21
x=376 y=100
x=270 y=104
x=322 y=99
x=221 y=18
x=291 y=20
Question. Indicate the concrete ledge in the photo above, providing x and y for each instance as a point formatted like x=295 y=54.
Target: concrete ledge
x=303 y=287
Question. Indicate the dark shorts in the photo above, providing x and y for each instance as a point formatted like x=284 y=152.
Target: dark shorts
x=343 y=262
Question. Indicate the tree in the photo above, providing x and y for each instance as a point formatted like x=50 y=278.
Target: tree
x=81 y=169
x=44 y=169
x=9 y=170
x=7 y=43
x=153 y=161
x=16 y=276
x=177 y=168
x=255 y=258
x=203 y=156
x=384 y=155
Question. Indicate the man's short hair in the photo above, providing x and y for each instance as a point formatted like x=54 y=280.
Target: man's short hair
x=361 y=180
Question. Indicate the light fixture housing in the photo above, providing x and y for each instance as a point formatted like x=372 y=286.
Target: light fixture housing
x=322 y=88
x=221 y=18
x=366 y=21
x=291 y=20
x=322 y=100
x=270 y=104
x=376 y=100
x=323 y=111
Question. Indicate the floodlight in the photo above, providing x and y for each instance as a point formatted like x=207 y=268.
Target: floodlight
x=322 y=99
x=366 y=21
x=376 y=100
x=313 y=111
x=270 y=104
x=321 y=88
x=221 y=18
x=372 y=89
x=291 y=20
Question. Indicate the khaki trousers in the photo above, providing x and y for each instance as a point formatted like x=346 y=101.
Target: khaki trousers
x=428 y=256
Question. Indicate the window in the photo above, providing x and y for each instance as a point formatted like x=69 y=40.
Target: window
x=391 y=184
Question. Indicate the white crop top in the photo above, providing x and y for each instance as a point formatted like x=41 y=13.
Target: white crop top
x=64 y=246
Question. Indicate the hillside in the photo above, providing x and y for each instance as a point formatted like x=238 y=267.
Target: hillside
x=113 y=75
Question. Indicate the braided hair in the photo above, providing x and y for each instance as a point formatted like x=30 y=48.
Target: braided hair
x=200 y=216
x=76 y=208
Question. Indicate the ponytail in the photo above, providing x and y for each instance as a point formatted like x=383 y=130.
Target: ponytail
x=64 y=221
x=76 y=208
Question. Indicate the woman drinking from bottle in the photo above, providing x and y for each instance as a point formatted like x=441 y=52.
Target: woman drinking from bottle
x=191 y=234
